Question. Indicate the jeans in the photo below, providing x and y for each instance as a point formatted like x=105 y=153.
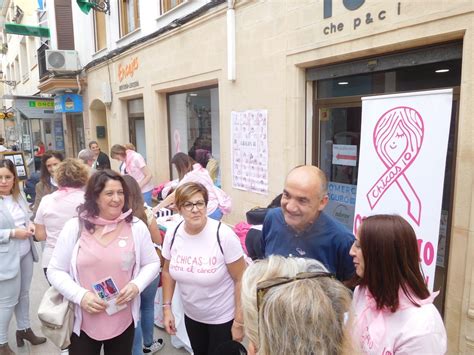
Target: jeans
x=15 y=297
x=147 y=197
x=144 y=329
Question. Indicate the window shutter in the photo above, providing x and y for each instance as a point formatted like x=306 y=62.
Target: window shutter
x=64 y=25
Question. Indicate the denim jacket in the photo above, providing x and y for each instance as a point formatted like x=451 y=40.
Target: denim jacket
x=10 y=247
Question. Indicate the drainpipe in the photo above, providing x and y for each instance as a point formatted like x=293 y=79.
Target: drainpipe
x=231 y=40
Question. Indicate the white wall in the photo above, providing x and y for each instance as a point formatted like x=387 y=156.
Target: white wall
x=150 y=21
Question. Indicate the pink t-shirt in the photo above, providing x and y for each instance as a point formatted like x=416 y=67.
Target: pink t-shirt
x=410 y=330
x=134 y=164
x=96 y=262
x=53 y=212
x=199 y=267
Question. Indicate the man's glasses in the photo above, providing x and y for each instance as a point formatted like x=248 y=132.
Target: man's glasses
x=264 y=286
x=188 y=206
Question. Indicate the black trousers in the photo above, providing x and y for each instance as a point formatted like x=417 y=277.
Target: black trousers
x=205 y=338
x=120 y=345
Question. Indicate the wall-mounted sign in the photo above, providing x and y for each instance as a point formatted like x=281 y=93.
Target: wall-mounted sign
x=336 y=26
x=127 y=70
x=68 y=103
x=35 y=108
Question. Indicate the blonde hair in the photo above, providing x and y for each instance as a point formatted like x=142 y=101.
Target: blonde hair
x=301 y=317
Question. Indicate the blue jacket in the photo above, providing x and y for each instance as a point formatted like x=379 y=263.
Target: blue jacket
x=10 y=247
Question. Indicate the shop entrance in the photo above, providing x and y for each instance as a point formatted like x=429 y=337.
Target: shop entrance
x=338 y=90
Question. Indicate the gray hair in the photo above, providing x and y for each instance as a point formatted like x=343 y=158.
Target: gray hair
x=86 y=155
x=311 y=310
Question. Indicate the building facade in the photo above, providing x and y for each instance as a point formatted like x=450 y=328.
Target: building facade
x=307 y=63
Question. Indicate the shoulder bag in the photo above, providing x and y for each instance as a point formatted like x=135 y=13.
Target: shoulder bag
x=56 y=314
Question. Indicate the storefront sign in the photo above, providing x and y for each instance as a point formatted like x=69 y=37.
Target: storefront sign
x=127 y=70
x=343 y=154
x=402 y=160
x=250 y=151
x=68 y=103
x=35 y=108
x=356 y=22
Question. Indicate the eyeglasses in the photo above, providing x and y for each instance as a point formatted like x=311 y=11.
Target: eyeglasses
x=264 y=286
x=188 y=206
x=7 y=178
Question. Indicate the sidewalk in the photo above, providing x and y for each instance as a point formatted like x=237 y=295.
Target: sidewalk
x=38 y=287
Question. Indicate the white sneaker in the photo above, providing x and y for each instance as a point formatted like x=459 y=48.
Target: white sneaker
x=154 y=347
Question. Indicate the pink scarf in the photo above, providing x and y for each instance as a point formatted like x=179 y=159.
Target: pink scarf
x=376 y=328
x=109 y=224
x=63 y=191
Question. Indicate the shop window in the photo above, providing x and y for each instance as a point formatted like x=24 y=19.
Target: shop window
x=136 y=123
x=194 y=125
x=129 y=16
x=167 y=5
x=100 y=31
x=338 y=112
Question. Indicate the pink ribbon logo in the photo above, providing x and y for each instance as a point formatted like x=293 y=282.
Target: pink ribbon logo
x=398 y=136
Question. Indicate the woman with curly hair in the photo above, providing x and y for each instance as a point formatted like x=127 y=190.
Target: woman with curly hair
x=60 y=206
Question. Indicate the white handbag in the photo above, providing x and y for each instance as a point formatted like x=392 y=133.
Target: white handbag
x=56 y=314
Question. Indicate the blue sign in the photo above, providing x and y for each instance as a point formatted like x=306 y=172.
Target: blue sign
x=68 y=103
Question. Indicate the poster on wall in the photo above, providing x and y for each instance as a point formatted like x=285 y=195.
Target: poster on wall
x=404 y=141
x=341 y=204
x=18 y=159
x=250 y=150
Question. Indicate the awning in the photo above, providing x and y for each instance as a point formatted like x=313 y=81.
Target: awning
x=16 y=29
x=86 y=5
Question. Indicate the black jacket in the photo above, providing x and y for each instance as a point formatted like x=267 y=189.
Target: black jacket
x=103 y=162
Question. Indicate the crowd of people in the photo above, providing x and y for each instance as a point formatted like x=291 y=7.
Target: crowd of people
x=317 y=288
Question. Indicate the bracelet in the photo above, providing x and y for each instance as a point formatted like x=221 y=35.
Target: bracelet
x=238 y=323
x=166 y=304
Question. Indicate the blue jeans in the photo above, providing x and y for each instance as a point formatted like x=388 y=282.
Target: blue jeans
x=147 y=197
x=217 y=214
x=144 y=329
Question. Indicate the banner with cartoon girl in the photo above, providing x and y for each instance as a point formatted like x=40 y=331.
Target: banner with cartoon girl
x=403 y=147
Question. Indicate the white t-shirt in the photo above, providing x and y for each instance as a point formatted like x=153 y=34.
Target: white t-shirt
x=199 y=267
x=53 y=212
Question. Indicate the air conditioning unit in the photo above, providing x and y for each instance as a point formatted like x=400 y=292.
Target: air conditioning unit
x=62 y=61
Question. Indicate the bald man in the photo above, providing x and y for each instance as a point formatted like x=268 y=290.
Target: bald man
x=301 y=228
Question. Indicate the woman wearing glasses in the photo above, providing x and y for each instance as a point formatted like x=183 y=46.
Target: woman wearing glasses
x=295 y=306
x=17 y=253
x=393 y=308
x=205 y=259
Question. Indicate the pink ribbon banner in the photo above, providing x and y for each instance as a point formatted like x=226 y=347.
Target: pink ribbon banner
x=397 y=138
